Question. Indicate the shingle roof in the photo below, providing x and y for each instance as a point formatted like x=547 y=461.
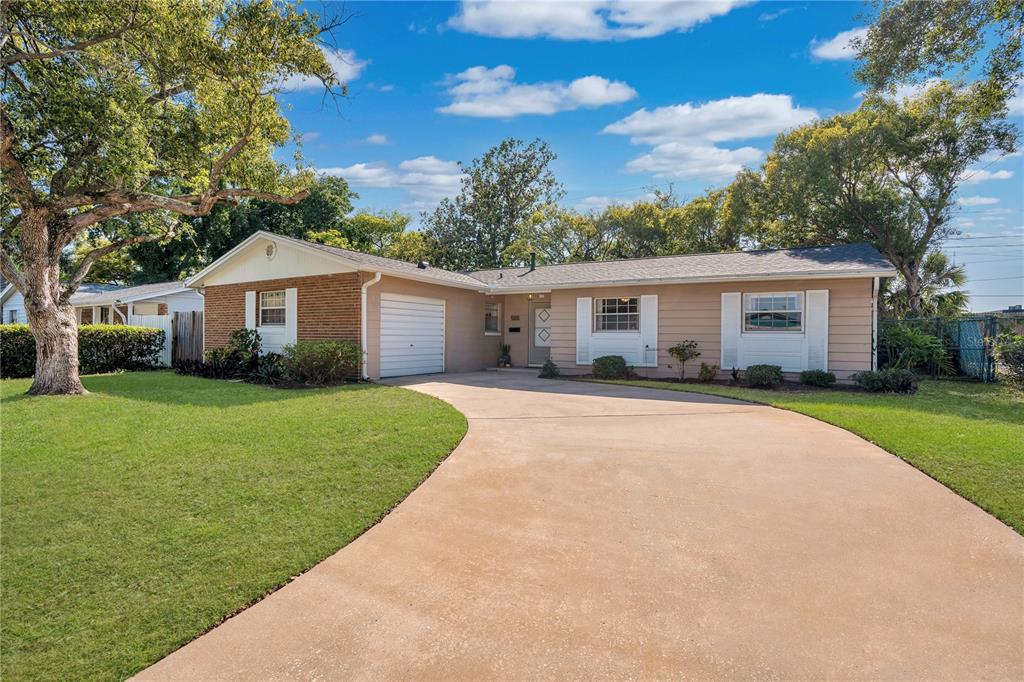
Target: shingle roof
x=824 y=260
x=110 y=294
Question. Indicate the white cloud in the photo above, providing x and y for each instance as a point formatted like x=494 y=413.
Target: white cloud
x=1016 y=103
x=426 y=179
x=977 y=201
x=377 y=138
x=838 y=47
x=685 y=137
x=684 y=161
x=772 y=16
x=733 y=118
x=974 y=176
x=365 y=174
x=345 y=64
x=586 y=19
x=493 y=93
x=312 y=136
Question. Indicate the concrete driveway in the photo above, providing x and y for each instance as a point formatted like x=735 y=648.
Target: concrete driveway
x=591 y=531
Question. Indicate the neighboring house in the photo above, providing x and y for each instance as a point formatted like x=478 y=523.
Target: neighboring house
x=111 y=304
x=118 y=305
x=812 y=308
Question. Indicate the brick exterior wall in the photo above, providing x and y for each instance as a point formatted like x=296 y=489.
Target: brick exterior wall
x=328 y=307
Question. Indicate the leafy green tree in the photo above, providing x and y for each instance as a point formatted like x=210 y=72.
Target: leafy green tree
x=201 y=240
x=887 y=173
x=911 y=41
x=374 y=233
x=117 y=267
x=502 y=191
x=559 y=235
x=941 y=290
x=132 y=107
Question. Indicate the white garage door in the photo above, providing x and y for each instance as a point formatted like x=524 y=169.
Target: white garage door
x=411 y=335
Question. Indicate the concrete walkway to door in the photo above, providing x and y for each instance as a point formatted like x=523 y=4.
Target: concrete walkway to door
x=594 y=531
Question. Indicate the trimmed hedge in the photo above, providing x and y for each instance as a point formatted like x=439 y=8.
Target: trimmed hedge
x=316 y=363
x=1009 y=352
x=817 y=377
x=611 y=367
x=764 y=376
x=101 y=348
x=890 y=380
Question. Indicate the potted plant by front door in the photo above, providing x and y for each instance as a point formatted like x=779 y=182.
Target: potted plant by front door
x=505 y=359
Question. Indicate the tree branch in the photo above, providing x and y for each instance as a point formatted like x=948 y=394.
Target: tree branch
x=11 y=272
x=18 y=56
x=15 y=176
x=83 y=268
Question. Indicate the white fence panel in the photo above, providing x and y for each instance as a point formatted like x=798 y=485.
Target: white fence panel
x=158 y=322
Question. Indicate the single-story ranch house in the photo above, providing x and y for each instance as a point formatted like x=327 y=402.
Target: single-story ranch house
x=112 y=304
x=810 y=308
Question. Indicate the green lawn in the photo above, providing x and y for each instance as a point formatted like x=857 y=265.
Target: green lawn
x=968 y=436
x=137 y=517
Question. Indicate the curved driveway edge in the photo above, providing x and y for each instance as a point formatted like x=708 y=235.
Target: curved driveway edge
x=597 y=531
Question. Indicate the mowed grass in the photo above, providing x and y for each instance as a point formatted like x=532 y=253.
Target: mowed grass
x=139 y=516
x=969 y=436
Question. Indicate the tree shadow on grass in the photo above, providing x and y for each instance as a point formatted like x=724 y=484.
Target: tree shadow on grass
x=174 y=389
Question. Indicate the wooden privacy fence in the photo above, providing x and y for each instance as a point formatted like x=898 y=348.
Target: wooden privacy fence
x=187 y=337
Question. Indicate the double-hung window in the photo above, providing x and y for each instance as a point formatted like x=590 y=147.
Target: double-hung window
x=773 y=312
x=492 y=318
x=272 y=309
x=617 y=314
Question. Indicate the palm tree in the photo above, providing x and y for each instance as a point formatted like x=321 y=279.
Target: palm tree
x=941 y=290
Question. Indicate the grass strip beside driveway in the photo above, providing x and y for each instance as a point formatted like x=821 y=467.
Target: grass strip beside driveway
x=969 y=436
x=139 y=516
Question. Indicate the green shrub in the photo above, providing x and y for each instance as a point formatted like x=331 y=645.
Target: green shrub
x=910 y=347
x=890 y=380
x=764 y=376
x=1009 y=352
x=610 y=367
x=321 y=362
x=17 y=351
x=101 y=348
x=269 y=370
x=707 y=373
x=549 y=370
x=817 y=377
x=683 y=351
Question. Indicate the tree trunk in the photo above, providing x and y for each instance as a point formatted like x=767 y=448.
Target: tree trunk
x=56 y=333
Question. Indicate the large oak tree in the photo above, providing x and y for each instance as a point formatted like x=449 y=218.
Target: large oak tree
x=115 y=109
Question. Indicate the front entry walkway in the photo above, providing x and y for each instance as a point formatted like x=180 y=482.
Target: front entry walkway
x=595 y=531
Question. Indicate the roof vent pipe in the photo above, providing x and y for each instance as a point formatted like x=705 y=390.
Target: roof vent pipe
x=533 y=261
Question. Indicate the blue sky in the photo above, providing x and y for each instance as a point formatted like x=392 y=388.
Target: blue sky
x=628 y=95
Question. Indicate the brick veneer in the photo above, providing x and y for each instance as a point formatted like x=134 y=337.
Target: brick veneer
x=328 y=307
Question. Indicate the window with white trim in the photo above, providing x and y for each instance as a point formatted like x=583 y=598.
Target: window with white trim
x=272 y=308
x=12 y=316
x=773 y=312
x=492 y=318
x=104 y=315
x=617 y=314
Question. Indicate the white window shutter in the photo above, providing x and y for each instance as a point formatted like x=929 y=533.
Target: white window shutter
x=732 y=318
x=583 y=312
x=816 y=328
x=250 y=310
x=291 y=315
x=649 y=329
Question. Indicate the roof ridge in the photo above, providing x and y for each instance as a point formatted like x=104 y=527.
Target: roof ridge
x=670 y=255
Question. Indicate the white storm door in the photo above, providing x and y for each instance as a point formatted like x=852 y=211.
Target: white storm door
x=411 y=335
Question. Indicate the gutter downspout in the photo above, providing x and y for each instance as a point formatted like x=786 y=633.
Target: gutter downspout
x=874 y=324
x=363 y=334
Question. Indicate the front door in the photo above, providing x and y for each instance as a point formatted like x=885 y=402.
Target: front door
x=540 y=332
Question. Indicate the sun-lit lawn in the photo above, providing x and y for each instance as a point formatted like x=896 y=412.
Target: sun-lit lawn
x=969 y=436
x=139 y=516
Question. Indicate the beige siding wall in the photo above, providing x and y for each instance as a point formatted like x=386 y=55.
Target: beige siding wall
x=693 y=311
x=466 y=347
